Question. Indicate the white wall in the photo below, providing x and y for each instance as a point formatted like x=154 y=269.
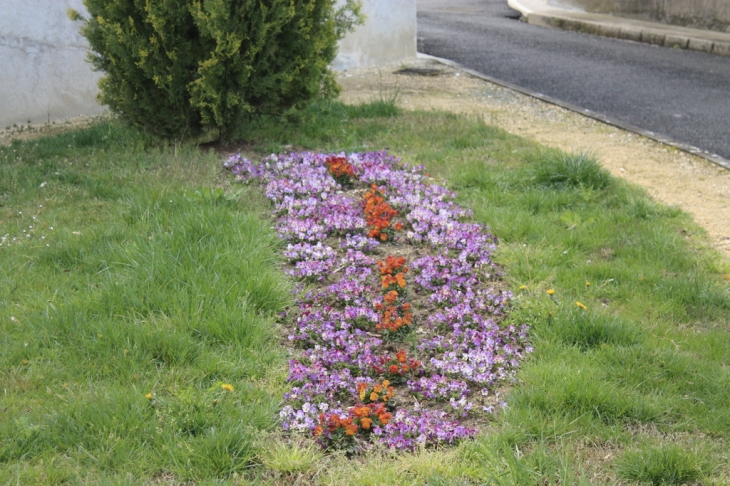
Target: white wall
x=43 y=70
x=44 y=74
x=388 y=35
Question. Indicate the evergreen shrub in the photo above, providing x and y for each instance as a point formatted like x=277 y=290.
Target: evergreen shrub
x=186 y=68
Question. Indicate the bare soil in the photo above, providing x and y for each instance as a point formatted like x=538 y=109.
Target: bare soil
x=671 y=176
x=31 y=131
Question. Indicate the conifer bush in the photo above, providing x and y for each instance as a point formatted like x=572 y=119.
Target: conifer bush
x=186 y=68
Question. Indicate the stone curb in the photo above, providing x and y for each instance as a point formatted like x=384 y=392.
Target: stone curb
x=659 y=37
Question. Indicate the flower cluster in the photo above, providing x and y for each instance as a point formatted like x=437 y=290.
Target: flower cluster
x=396 y=368
x=395 y=312
x=377 y=392
x=347 y=388
x=378 y=214
x=394 y=317
x=336 y=431
x=340 y=169
x=393 y=271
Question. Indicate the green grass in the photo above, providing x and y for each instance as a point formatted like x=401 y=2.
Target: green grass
x=665 y=464
x=155 y=294
x=135 y=278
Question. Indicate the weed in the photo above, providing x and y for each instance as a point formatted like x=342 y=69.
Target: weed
x=664 y=464
x=565 y=170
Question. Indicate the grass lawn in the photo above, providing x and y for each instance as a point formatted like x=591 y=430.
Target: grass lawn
x=136 y=280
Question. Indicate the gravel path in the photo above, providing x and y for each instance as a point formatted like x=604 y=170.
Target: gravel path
x=671 y=176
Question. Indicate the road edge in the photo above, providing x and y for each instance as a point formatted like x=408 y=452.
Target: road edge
x=714 y=158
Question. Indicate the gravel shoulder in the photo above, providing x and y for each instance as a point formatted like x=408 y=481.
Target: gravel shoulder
x=671 y=176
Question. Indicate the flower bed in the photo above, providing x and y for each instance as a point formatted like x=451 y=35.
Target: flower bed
x=397 y=334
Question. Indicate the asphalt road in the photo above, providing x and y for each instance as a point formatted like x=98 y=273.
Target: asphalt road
x=680 y=94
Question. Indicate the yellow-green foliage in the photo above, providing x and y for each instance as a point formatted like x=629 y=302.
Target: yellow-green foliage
x=182 y=68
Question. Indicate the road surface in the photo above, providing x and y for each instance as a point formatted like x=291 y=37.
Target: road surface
x=680 y=94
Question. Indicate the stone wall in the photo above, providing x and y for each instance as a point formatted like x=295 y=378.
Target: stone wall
x=44 y=75
x=701 y=14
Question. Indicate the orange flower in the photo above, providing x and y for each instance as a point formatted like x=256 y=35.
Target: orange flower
x=391 y=297
x=334 y=422
x=393 y=369
x=384 y=418
x=340 y=169
x=365 y=423
x=401 y=356
x=318 y=430
x=351 y=429
x=378 y=213
x=373 y=396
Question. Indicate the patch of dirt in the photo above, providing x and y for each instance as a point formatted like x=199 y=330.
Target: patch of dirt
x=673 y=177
x=32 y=131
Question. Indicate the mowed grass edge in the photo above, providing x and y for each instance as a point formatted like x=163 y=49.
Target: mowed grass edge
x=633 y=384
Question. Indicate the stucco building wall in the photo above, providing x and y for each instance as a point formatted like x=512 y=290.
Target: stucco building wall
x=388 y=35
x=44 y=74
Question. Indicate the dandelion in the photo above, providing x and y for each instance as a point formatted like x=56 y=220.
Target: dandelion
x=227 y=387
x=588 y=284
x=551 y=291
x=523 y=287
x=148 y=396
x=581 y=305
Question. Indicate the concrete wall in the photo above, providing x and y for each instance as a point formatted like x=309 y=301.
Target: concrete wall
x=702 y=14
x=388 y=35
x=44 y=74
